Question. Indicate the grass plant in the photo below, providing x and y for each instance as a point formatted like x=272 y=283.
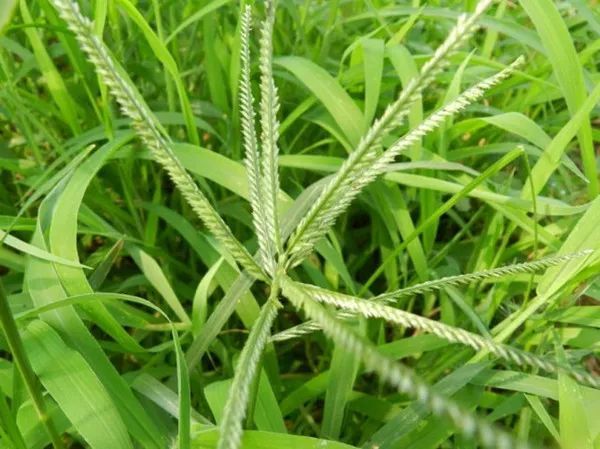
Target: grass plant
x=395 y=246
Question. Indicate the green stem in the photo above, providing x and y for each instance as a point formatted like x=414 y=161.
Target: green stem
x=15 y=345
x=8 y=427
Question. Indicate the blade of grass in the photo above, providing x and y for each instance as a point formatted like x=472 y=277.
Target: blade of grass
x=26 y=248
x=44 y=287
x=490 y=171
x=22 y=359
x=543 y=415
x=98 y=276
x=206 y=438
x=6 y=12
x=157 y=278
x=562 y=55
x=343 y=370
x=164 y=56
x=373 y=59
x=53 y=79
x=553 y=152
x=574 y=429
x=336 y=100
x=183 y=385
x=59 y=223
x=215 y=4
x=75 y=387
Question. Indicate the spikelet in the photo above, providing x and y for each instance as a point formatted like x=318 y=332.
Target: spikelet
x=326 y=209
x=397 y=374
x=150 y=132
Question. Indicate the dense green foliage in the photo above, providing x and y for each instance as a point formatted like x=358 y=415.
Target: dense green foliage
x=419 y=188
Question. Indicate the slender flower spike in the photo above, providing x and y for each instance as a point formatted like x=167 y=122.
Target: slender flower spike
x=150 y=131
x=306 y=235
x=248 y=364
x=269 y=106
x=374 y=309
x=398 y=375
x=262 y=165
x=252 y=160
x=438 y=284
x=487 y=275
x=327 y=207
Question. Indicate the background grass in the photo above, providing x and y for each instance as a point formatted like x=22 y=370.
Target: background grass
x=514 y=178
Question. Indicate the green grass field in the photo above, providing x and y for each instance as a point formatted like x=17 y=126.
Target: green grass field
x=305 y=224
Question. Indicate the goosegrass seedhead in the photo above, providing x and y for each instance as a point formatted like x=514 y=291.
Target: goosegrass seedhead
x=278 y=256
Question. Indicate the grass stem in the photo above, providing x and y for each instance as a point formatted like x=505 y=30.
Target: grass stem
x=17 y=350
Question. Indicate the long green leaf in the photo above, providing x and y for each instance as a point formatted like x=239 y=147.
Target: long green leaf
x=574 y=429
x=206 y=438
x=53 y=79
x=336 y=100
x=561 y=52
x=164 y=56
x=554 y=151
x=6 y=12
x=75 y=387
x=26 y=248
x=44 y=287
x=215 y=4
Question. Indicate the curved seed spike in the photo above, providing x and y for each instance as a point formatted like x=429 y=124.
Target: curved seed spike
x=326 y=209
x=495 y=273
x=150 y=132
x=373 y=309
x=462 y=279
x=344 y=194
x=401 y=377
x=309 y=327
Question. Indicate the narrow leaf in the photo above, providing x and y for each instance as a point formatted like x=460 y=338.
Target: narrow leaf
x=75 y=387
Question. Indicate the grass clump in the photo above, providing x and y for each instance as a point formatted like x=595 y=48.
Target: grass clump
x=374 y=240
